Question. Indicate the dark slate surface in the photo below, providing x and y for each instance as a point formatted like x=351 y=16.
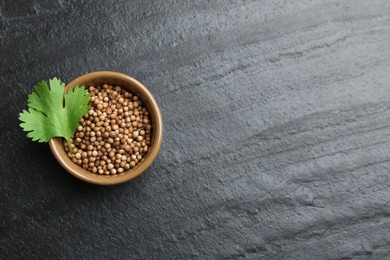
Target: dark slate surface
x=277 y=130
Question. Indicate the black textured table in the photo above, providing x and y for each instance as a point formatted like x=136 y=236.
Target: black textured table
x=277 y=130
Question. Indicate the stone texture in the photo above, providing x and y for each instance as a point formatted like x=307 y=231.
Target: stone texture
x=277 y=130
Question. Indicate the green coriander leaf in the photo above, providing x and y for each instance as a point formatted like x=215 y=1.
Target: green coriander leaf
x=53 y=113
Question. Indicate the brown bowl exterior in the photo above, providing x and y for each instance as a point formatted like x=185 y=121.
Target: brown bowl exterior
x=157 y=128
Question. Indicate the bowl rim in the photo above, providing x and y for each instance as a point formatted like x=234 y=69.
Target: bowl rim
x=93 y=178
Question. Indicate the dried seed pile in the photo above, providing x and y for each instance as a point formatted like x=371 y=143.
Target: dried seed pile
x=114 y=135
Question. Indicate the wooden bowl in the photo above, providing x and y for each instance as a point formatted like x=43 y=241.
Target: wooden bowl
x=135 y=87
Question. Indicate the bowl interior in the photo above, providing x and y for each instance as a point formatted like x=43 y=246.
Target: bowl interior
x=146 y=97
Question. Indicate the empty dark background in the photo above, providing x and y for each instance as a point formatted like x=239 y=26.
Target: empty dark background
x=277 y=130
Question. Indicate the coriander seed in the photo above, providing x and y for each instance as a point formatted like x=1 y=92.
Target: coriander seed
x=115 y=133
